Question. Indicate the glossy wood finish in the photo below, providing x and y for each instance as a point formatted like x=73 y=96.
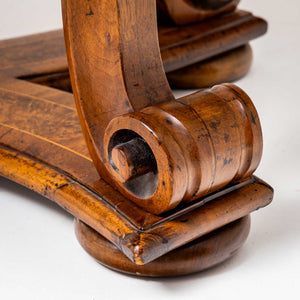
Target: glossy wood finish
x=183 y=12
x=42 y=146
x=226 y=67
x=114 y=69
x=141 y=236
x=180 y=47
x=183 y=46
x=140 y=111
x=196 y=256
x=40 y=153
x=200 y=144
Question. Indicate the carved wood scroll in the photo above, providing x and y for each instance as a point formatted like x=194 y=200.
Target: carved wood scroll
x=156 y=150
x=114 y=61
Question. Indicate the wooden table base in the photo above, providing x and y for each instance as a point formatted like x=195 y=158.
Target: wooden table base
x=201 y=254
x=42 y=147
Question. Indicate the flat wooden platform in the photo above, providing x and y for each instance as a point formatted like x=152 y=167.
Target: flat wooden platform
x=180 y=46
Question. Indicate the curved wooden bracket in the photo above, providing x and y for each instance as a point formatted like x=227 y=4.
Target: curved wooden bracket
x=115 y=64
x=155 y=150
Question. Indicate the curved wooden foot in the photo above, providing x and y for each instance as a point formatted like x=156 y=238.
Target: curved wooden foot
x=196 y=256
x=226 y=67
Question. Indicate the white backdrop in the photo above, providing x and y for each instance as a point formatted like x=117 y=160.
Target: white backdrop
x=40 y=257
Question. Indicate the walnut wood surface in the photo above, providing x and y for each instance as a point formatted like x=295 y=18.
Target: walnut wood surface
x=42 y=147
x=183 y=46
x=183 y=12
x=141 y=236
x=200 y=143
x=114 y=69
x=196 y=256
x=226 y=67
x=123 y=98
x=48 y=154
x=180 y=46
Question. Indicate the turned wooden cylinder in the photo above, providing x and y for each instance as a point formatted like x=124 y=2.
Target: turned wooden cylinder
x=182 y=12
x=132 y=159
x=181 y=150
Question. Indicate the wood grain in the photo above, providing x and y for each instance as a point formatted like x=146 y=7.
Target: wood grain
x=106 y=48
x=41 y=141
x=226 y=67
x=183 y=46
x=183 y=12
x=203 y=253
x=31 y=156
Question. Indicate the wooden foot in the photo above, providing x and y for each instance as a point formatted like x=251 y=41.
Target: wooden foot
x=226 y=67
x=201 y=254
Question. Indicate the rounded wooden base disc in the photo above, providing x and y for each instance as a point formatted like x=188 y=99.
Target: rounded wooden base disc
x=225 y=67
x=196 y=256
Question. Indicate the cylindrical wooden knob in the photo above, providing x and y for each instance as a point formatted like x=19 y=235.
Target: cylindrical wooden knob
x=132 y=159
x=182 y=150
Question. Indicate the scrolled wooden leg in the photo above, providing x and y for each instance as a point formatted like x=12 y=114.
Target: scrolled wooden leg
x=171 y=172
x=226 y=67
x=203 y=253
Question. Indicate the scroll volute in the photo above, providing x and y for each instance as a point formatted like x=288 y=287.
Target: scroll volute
x=154 y=149
x=114 y=61
x=183 y=12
